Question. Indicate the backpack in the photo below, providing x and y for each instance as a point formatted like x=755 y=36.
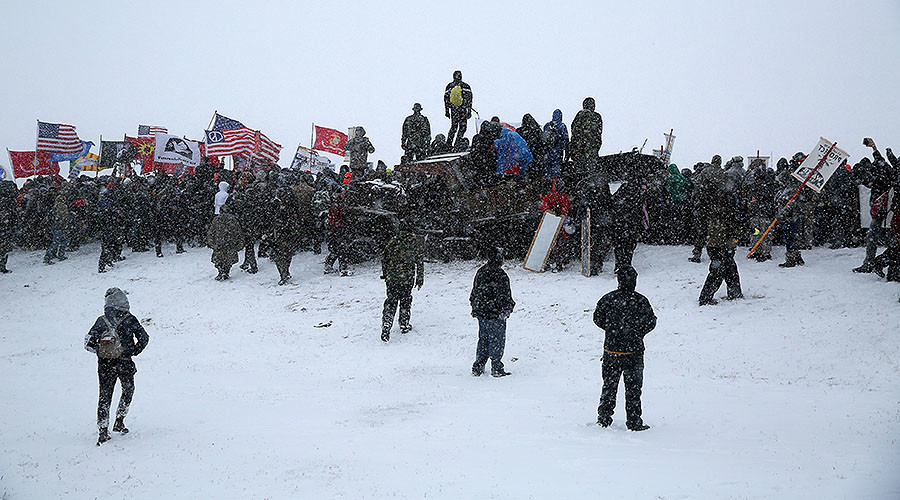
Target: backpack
x=109 y=344
x=456 y=98
x=550 y=135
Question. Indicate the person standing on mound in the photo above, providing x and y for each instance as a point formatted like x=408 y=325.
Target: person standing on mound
x=492 y=303
x=626 y=316
x=115 y=338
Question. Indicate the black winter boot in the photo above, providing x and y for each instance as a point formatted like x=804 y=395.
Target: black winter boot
x=119 y=425
x=104 y=436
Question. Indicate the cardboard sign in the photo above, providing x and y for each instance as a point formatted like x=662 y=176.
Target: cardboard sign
x=543 y=241
x=835 y=159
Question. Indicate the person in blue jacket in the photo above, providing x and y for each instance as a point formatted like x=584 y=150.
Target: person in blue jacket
x=556 y=139
x=513 y=155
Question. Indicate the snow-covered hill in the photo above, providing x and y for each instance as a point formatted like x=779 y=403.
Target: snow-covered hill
x=793 y=392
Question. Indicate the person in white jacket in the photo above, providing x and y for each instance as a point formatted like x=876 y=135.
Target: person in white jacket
x=221 y=196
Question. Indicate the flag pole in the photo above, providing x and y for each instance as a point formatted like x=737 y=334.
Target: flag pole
x=99 y=158
x=802 y=185
x=12 y=170
x=37 y=136
x=211 y=120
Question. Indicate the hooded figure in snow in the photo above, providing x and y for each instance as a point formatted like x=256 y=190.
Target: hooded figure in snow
x=221 y=196
x=626 y=316
x=115 y=338
x=556 y=139
x=226 y=239
x=492 y=303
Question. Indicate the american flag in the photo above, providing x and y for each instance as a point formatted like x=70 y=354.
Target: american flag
x=267 y=148
x=58 y=138
x=239 y=141
x=151 y=130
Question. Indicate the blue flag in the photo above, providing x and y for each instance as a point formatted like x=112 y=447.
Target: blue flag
x=225 y=123
x=86 y=148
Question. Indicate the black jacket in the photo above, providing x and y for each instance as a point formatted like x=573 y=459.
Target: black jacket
x=128 y=330
x=491 y=296
x=626 y=316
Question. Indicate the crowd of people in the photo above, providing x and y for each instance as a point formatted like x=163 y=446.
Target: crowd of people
x=277 y=212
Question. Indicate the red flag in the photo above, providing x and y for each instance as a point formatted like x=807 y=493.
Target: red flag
x=26 y=163
x=143 y=147
x=330 y=140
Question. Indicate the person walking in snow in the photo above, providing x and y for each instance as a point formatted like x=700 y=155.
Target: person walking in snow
x=116 y=337
x=626 y=316
x=717 y=202
x=402 y=266
x=226 y=239
x=492 y=303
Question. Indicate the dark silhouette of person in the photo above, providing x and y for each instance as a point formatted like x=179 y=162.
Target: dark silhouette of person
x=457 y=107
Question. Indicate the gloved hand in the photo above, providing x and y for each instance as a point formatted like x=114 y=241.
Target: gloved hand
x=506 y=314
x=127 y=352
x=419 y=284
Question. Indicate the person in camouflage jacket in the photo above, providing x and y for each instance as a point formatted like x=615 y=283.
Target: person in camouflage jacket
x=402 y=266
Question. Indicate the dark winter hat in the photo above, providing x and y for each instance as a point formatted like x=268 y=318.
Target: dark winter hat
x=457 y=75
x=627 y=277
x=716 y=160
x=495 y=256
x=116 y=299
x=589 y=103
x=417 y=107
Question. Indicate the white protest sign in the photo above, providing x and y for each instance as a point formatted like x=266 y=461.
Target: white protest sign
x=174 y=149
x=835 y=159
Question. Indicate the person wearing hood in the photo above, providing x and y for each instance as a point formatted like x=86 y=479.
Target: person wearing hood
x=587 y=137
x=626 y=316
x=116 y=337
x=678 y=188
x=226 y=239
x=61 y=218
x=9 y=218
x=556 y=140
x=285 y=232
x=492 y=303
x=221 y=196
x=416 y=135
x=402 y=266
x=457 y=107
x=359 y=148
x=718 y=203
x=513 y=154
x=530 y=130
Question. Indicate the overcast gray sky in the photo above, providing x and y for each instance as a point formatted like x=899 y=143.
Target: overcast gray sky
x=729 y=77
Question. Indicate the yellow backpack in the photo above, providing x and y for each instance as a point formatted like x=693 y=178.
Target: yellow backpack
x=456 y=96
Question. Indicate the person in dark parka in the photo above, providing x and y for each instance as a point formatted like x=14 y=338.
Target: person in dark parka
x=358 y=149
x=8 y=220
x=718 y=204
x=226 y=239
x=402 y=266
x=457 y=107
x=416 y=135
x=115 y=338
x=587 y=137
x=556 y=140
x=492 y=303
x=626 y=316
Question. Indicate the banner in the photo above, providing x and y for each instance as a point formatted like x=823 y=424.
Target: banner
x=174 y=149
x=835 y=159
x=307 y=159
x=27 y=163
x=112 y=152
x=330 y=140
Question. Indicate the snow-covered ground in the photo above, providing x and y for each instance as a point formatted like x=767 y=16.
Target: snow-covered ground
x=791 y=393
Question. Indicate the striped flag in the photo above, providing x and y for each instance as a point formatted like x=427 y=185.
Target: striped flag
x=88 y=163
x=58 y=138
x=239 y=141
x=267 y=148
x=150 y=130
